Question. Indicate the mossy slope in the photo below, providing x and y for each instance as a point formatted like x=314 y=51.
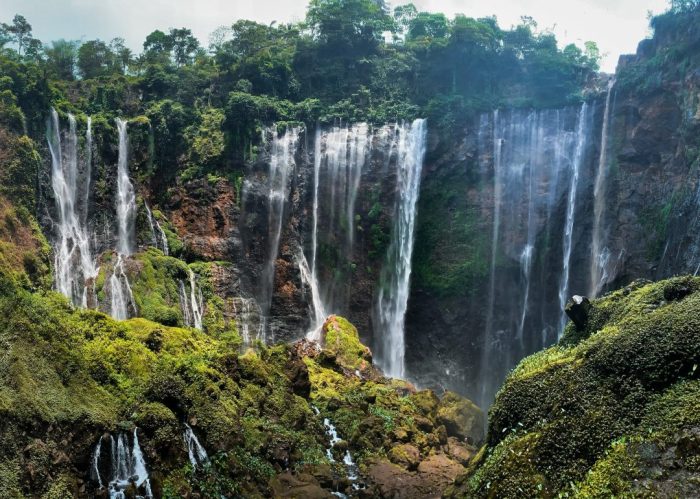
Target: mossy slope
x=610 y=411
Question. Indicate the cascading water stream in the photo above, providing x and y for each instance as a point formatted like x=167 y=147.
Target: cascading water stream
x=158 y=238
x=393 y=294
x=528 y=157
x=126 y=198
x=195 y=451
x=340 y=155
x=600 y=256
x=126 y=466
x=73 y=262
x=192 y=302
x=581 y=142
x=120 y=289
x=282 y=164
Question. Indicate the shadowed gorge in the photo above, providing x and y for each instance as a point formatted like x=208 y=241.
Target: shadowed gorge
x=379 y=252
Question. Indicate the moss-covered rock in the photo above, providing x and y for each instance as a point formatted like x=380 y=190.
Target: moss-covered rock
x=607 y=412
x=461 y=417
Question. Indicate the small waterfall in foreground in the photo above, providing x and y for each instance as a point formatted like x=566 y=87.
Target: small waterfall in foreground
x=530 y=159
x=600 y=256
x=158 y=238
x=582 y=137
x=392 y=298
x=122 y=466
x=192 y=302
x=195 y=451
x=74 y=266
x=340 y=155
x=282 y=165
x=351 y=467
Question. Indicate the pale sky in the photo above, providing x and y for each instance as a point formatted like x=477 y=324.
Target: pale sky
x=616 y=25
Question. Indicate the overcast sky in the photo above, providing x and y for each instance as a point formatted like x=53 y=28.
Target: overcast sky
x=616 y=25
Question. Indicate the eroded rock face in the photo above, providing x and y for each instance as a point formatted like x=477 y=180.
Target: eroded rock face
x=206 y=216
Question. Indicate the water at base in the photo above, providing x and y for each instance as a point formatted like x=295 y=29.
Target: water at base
x=127 y=466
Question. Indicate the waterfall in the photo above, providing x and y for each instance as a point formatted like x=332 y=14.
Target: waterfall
x=532 y=157
x=184 y=304
x=340 y=155
x=581 y=142
x=197 y=454
x=73 y=262
x=88 y=170
x=600 y=256
x=282 y=164
x=120 y=291
x=393 y=294
x=95 y=473
x=196 y=302
x=350 y=465
x=192 y=303
x=248 y=319
x=126 y=199
x=319 y=313
x=158 y=239
x=126 y=466
x=497 y=194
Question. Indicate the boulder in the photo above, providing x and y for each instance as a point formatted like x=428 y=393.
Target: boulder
x=578 y=310
x=299 y=486
x=462 y=418
x=405 y=455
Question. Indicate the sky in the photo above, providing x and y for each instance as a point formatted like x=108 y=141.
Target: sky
x=616 y=25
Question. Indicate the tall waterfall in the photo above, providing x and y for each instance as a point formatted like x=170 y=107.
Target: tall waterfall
x=581 y=142
x=531 y=158
x=73 y=262
x=340 y=155
x=282 y=164
x=392 y=298
x=600 y=255
x=120 y=290
x=126 y=199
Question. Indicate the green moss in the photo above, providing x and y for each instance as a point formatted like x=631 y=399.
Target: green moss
x=585 y=411
x=342 y=340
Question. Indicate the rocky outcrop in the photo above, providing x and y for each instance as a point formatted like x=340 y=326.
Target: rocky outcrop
x=564 y=418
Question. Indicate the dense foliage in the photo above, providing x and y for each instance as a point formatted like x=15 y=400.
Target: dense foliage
x=348 y=59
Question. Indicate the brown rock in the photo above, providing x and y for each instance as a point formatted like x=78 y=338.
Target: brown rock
x=302 y=486
x=405 y=455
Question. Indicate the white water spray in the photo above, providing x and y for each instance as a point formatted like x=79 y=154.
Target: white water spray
x=393 y=294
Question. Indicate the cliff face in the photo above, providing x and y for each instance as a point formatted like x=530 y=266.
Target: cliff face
x=635 y=213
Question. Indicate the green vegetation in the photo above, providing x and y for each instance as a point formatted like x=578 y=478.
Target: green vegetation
x=592 y=416
x=349 y=59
